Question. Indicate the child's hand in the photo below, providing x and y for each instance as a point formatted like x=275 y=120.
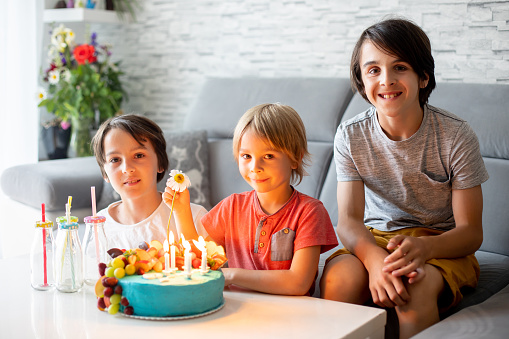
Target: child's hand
x=416 y=276
x=386 y=289
x=182 y=199
x=408 y=257
x=228 y=276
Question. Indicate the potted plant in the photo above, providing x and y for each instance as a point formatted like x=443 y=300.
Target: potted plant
x=84 y=86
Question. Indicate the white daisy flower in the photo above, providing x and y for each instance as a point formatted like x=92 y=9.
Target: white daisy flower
x=41 y=94
x=69 y=36
x=178 y=181
x=66 y=75
x=54 y=76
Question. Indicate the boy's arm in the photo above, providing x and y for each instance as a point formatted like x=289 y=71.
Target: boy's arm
x=386 y=290
x=464 y=239
x=295 y=281
x=182 y=212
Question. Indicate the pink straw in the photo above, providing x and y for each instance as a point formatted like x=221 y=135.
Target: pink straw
x=43 y=208
x=92 y=191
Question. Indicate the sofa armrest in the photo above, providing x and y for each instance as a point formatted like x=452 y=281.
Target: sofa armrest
x=51 y=182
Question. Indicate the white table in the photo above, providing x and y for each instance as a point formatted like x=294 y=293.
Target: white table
x=27 y=313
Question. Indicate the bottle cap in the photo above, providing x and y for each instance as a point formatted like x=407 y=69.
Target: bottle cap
x=94 y=220
x=70 y=226
x=44 y=224
x=63 y=219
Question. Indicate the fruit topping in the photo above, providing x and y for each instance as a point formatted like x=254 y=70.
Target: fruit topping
x=124 y=301
x=143 y=245
x=108 y=292
x=115 y=252
x=129 y=310
x=99 y=288
x=102 y=268
x=113 y=309
x=100 y=304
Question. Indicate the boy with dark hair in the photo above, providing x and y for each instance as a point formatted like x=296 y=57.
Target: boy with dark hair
x=409 y=186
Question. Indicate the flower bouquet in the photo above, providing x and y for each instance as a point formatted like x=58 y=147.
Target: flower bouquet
x=84 y=87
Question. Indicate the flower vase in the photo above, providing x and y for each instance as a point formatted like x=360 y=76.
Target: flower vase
x=80 y=136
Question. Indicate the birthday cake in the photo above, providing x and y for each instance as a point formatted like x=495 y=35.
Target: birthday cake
x=137 y=282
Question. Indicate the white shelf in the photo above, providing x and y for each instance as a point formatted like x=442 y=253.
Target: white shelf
x=80 y=15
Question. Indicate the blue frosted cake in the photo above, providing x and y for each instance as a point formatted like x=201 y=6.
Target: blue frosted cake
x=173 y=295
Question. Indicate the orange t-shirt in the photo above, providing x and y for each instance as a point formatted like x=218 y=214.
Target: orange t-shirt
x=257 y=241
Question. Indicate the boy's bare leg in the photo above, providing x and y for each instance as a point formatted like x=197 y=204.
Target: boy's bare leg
x=421 y=311
x=345 y=279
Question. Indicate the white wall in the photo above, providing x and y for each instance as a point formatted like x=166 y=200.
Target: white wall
x=18 y=114
x=177 y=43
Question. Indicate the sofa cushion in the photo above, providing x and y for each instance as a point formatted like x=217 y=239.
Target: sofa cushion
x=225 y=178
x=465 y=101
x=495 y=218
x=494 y=276
x=222 y=101
x=321 y=155
x=486 y=320
x=51 y=182
x=188 y=152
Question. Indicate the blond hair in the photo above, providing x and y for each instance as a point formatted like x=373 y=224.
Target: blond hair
x=283 y=129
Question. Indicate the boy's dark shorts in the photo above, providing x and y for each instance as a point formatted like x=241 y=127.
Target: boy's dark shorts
x=457 y=272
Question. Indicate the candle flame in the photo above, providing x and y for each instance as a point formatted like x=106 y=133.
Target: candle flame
x=166 y=246
x=200 y=244
x=172 y=238
x=185 y=243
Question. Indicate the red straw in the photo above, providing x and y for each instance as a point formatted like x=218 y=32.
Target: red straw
x=92 y=192
x=44 y=244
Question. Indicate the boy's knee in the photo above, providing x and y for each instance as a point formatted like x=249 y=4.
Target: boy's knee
x=430 y=286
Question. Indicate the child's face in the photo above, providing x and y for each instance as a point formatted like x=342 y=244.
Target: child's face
x=391 y=85
x=266 y=170
x=130 y=167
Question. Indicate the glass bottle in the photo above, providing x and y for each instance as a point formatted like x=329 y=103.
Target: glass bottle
x=95 y=247
x=41 y=256
x=68 y=258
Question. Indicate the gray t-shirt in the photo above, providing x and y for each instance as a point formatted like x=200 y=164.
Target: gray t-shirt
x=409 y=183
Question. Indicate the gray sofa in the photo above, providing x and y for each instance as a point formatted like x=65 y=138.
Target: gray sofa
x=322 y=103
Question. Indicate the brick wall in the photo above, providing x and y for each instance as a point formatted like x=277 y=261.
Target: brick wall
x=176 y=44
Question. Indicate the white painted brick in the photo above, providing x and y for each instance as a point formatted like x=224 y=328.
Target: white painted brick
x=479 y=13
x=176 y=44
x=500 y=45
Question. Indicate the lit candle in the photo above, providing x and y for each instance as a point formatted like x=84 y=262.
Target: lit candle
x=202 y=246
x=203 y=255
x=172 y=250
x=187 y=256
x=166 y=256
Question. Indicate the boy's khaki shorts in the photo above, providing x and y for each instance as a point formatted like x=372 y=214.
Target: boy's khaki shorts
x=457 y=272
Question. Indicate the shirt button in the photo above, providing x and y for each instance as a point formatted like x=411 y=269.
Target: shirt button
x=286 y=231
x=264 y=233
x=261 y=244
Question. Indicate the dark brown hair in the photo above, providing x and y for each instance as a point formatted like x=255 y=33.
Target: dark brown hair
x=401 y=38
x=142 y=129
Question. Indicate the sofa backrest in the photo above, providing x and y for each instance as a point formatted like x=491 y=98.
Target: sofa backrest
x=221 y=102
x=484 y=107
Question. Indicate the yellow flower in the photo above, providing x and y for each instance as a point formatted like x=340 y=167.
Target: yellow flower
x=178 y=181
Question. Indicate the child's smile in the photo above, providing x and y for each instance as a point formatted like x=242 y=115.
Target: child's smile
x=392 y=86
x=265 y=169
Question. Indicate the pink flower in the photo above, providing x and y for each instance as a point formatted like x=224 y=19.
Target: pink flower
x=65 y=125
